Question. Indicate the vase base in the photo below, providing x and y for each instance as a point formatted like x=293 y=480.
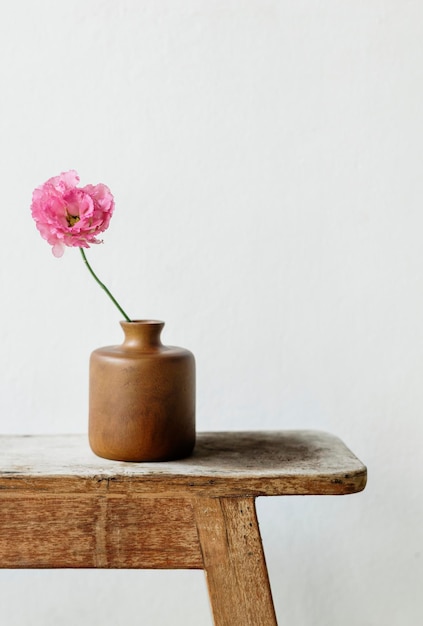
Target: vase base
x=144 y=458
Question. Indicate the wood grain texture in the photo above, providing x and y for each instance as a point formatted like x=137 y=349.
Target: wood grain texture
x=251 y=463
x=234 y=562
x=47 y=531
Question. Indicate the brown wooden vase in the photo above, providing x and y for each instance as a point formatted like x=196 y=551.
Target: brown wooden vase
x=142 y=397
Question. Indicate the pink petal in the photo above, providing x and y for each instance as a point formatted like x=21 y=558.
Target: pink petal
x=58 y=250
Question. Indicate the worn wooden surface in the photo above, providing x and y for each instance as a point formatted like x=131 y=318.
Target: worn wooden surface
x=223 y=464
x=61 y=506
x=45 y=531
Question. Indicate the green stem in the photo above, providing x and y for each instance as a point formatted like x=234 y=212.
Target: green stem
x=115 y=302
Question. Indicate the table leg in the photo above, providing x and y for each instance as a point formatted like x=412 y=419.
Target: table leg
x=234 y=562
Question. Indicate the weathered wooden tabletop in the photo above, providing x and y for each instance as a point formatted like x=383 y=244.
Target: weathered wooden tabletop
x=223 y=464
x=61 y=506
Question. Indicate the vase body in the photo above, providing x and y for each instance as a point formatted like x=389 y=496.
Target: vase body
x=142 y=397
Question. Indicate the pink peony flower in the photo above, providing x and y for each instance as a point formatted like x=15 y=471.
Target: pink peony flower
x=67 y=215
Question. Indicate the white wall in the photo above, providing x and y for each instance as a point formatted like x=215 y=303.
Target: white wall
x=266 y=159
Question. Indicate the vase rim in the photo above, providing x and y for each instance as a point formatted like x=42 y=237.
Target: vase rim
x=149 y=322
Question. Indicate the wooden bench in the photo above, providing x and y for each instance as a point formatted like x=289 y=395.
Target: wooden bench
x=62 y=507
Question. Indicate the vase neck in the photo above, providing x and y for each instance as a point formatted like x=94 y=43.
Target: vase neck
x=142 y=334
